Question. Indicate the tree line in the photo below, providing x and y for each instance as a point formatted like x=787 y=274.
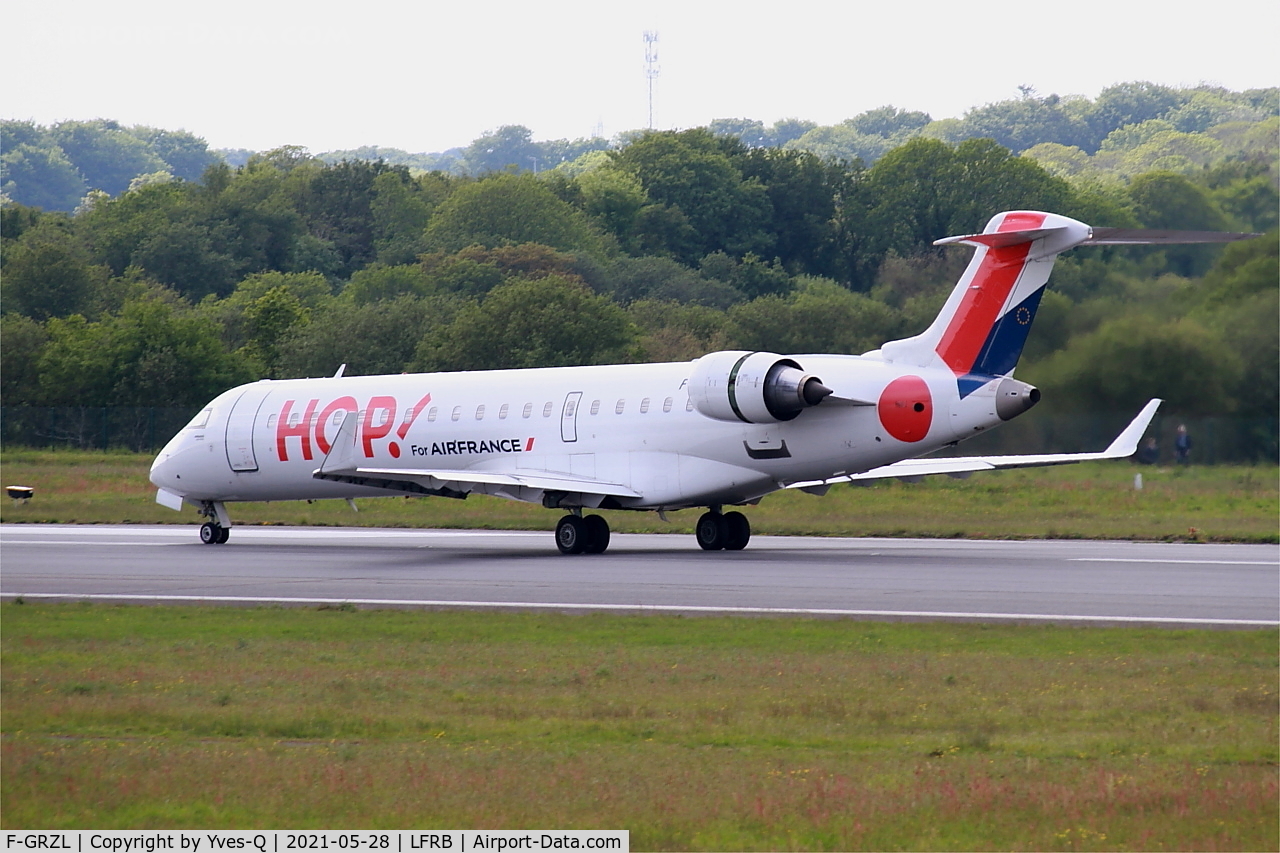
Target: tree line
x=672 y=245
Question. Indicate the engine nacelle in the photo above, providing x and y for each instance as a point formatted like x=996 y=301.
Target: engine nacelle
x=753 y=387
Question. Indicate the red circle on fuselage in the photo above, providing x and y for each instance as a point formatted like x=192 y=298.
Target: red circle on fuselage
x=906 y=408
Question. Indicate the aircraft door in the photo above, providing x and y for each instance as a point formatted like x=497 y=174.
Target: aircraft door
x=569 y=416
x=240 y=421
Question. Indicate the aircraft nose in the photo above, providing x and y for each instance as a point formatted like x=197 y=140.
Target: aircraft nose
x=163 y=474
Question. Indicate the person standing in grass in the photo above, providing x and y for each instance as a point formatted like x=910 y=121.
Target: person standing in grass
x=1182 y=446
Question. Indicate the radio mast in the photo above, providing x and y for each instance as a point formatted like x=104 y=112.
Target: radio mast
x=651 y=69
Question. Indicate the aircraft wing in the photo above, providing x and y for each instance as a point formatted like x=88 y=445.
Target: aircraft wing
x=344 y=466
x=1124 y=445
x=465 y=480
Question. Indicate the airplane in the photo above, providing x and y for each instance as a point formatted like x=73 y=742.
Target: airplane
x=723 y=430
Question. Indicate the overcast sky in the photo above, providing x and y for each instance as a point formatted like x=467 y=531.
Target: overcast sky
x=427 y=75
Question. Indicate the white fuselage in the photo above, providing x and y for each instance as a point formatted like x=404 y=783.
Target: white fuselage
x=632 y=425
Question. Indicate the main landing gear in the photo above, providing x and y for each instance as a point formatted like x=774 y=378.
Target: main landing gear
x=576 y=534
x=217 y=530
x=729 y=532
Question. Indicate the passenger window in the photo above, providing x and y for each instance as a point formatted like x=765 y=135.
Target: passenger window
x=480 y=412
x=502 y=413
x=339 y=416
x=622 y=404
x=595 y=407
x=666 y=405
x=570 y=408
x=644 y=406
x=271 y=422
x=431 y=414
x=528 y=410
x=688 y=406
x=457 y=413
x=546 y=410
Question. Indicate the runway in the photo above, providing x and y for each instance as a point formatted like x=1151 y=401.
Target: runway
x=1070 y=582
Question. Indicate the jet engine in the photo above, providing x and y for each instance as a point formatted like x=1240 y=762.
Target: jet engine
x=753 y=387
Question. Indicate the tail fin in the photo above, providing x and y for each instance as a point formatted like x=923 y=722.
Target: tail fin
x=983 y=326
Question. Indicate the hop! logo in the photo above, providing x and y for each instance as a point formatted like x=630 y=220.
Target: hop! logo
x=377 y=423
x=377 y=419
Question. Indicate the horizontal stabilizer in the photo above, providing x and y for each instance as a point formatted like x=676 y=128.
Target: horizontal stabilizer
x=1160 y=237
x=1124 y=445
x=1000 y=239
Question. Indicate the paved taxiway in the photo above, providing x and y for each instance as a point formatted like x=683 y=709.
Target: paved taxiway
x=1225 y=585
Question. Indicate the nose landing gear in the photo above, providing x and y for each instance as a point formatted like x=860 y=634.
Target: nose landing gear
x=730 y=531
x=217 y=530
x=214 y=534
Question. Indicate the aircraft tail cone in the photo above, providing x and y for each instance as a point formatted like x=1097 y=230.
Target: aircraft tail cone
x=814 y=392
x=1014 y=397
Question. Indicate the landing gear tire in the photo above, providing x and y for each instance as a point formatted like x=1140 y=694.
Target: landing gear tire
x=213 y=534
x=224 y=535
x=572 y=535
x=737 y=531
x=711 y=531
x=597 y=534
x=728 y=532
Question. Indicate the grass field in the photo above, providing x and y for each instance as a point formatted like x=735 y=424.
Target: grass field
x=692 y=733
x=1095 y=500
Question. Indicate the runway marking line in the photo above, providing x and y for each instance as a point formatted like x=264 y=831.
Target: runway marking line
x=1188 y=562
x=654 y=608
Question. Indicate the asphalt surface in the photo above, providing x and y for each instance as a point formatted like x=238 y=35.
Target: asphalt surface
x=1031 y=581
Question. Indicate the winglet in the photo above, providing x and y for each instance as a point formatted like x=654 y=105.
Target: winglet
x=1126 y=443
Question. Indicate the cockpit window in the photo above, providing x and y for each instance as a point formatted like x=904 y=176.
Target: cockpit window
x=201 y=420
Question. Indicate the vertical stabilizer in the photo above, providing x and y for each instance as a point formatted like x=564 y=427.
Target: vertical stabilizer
x=980 y=332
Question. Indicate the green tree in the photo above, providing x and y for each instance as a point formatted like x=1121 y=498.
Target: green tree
x=803 y=191
x=1028 y=121
x=1128 y=360
x=41 y=177
x=380 y=282
x=401 y=208
x=549 y=322
x=888 y=122
x=1168 y=200
x=926 y=189
x=509 y=148
x=651 y=278
x=337 y=205
x=694 y=172
x=186 y=155
x=613 y=198
x=371 y=338
x=107 y=155
x=49 y=273
x=1127 y=103
x=186 y=257
x=22 y=342
x=675 y=331
x=151 y=354
x=503 y=210
x=820 y=316
x=841 y=143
